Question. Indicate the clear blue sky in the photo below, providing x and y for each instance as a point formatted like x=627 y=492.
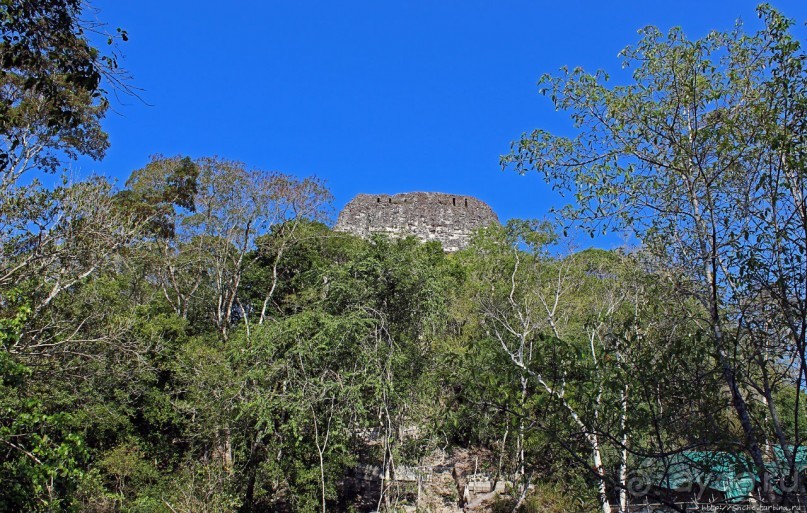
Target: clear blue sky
x=372 y=96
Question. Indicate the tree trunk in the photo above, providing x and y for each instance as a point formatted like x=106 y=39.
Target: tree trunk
x=602 y=491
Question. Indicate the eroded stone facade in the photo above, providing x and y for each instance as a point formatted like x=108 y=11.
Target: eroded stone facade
x=448 y=218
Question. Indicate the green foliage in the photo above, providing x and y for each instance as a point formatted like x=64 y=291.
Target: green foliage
x=155 y=191
x=572 y=496
x=43 y=458
x=52 y=95
x=701 y=157
x=202 y=342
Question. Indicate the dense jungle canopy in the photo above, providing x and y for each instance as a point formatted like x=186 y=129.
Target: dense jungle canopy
x=198 y=339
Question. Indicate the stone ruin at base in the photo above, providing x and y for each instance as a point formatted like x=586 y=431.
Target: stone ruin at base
x=428 y=216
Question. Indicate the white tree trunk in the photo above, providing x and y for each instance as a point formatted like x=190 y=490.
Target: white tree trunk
x=600 y=469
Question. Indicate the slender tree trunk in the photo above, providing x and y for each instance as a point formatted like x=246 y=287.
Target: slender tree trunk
x=321 y=441
x=623 y=461
x=596 y=455
x=521 y=462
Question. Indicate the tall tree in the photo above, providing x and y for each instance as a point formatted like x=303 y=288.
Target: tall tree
x=208 y=215
x=52 y=95
x=569 y=337
x=52 y=99
x=702 y=158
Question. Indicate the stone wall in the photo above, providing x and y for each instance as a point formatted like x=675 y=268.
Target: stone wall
x=448 y=218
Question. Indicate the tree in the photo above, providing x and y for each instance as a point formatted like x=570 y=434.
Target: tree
x=549 y=341
x=702 y=157
x=208 y=215
x=57 y=240
x=348 y=352
x=52 y=99
x=51 y=86
x=581 y=353
x=42 y=457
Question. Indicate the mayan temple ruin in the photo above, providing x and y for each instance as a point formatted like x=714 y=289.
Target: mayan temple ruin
x=447 y=218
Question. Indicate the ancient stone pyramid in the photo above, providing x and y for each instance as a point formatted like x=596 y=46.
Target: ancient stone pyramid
x=448 y=218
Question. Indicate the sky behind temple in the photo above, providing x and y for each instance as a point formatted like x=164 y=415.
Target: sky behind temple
x=372 y=96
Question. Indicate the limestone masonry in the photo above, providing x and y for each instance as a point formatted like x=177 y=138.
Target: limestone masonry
x=448 y=218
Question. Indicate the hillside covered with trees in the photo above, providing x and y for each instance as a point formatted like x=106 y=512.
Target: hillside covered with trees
x=198 y=339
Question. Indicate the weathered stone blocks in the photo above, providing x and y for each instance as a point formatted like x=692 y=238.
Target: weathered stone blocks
x=448 y=218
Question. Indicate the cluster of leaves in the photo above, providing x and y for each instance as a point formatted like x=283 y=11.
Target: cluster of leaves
x=51 y=84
